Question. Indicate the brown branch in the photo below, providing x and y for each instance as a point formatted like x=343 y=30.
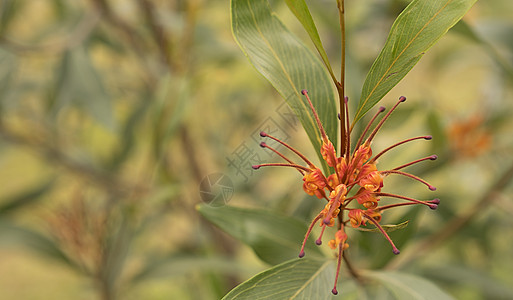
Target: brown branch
x=158 y=32
x=133 y=37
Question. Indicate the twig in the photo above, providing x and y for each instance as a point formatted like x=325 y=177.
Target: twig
x=340 y=85
x=130 y=34
x=159 y=35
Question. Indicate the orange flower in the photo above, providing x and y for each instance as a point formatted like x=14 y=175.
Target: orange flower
x=470 y=137
x=355 y=171
x=367 y=199
x=340 y=238
x=356 y=217
x=372 y=182
x=314 y=183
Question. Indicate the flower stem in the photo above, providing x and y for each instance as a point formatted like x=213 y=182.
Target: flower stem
x=341 y=83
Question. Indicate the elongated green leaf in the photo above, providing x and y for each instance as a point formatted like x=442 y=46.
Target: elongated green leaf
x=489 y=37
x=387 y=228
x=295 y=279
x=11 y=234
x=409 y=287
x=300 y=10
x=25 y=198
x=462 y=275
x=274 y=238
x=9 y=63
x=79 y=84
x=416 y=29
x=183 y=264
x=287 y=63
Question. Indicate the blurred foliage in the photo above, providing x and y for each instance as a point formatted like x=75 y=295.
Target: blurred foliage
x=112 y=113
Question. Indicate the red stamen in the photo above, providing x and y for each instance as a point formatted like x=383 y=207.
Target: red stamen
x=380 y=110
x=319 y=124
x=339 y=261
x=349 y=199
x=302 y=251
x=318 y=241
x=323 y=133
x=428 y=203
x=394 y=248
x=411 y=176
x=432 y=157
x=264 y=145
x=334 y=205
x=263 y=134
x=373 y=134
x=256 y=167
x=433 y=204
x=427 y=137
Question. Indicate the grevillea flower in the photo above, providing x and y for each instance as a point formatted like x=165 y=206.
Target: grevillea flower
x=353 y=192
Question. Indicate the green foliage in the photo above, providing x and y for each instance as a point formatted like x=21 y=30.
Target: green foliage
x=295 y=279
x=30 y=196
x=387 y=228
x=414 y=31
x=300 y=10
x=110 y=117
x=13 y=235
x=79 y=85
x=274 y=238
x=406 y=286
x=288 y=64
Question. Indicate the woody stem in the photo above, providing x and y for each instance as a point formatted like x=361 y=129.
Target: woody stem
x=340 y=85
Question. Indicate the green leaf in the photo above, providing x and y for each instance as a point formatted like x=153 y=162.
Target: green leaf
x=9 y=64
x=274 y=238
x=387 y=228
x=11 y=234
x=489 y=37
x=465 y=276
x=295 y=279
x=409 y=287
x=288 y=65
x=300 y=10
x=27 y=197
x=416 y=29
x=128 y=135
x=184 y=264
x=8 y=12
x=80 y=84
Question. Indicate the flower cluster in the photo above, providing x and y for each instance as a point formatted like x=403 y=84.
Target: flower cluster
x=355 y=185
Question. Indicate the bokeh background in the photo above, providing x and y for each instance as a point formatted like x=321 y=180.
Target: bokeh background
x=113 y=112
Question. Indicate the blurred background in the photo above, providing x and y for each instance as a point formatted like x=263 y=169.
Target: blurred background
x=118 y=117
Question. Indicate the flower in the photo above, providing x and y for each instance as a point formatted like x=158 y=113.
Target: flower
x=470 y=137
x=353 y=190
